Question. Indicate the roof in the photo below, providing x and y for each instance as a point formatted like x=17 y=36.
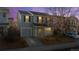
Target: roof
x=33 y=13
x=24 y=12
x=39 y=13
x=4 y=8
x=73 y=17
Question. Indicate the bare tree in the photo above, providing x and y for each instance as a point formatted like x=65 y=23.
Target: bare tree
x=60 y=11
x=62 y=14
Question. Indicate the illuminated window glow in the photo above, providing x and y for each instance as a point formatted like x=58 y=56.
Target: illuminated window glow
x=39 y=19
x=39 y=30
x=48 y=29
x=48 y=19
x=27 y=19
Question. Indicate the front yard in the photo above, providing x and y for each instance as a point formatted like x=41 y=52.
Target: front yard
x=12 y=40
x=55 y=39
x=18 y=43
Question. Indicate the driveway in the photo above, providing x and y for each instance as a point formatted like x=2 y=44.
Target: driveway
x=33 y=42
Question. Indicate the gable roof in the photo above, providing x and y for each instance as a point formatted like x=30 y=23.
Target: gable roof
x=39 y=13
x=24 y=12
x=33 y=13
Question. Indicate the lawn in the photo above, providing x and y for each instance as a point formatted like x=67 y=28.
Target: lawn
x=55 y=39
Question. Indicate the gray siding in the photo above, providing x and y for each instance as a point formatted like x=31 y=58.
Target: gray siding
x=25 y=28
x=29 y=29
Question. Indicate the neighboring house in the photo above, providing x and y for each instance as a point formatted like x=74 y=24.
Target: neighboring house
x=58 y=23
x=65 y=24
x=72 y=25
x=34 y=24
x=3 y=21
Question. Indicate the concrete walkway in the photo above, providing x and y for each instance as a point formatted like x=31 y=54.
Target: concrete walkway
x=33 y=42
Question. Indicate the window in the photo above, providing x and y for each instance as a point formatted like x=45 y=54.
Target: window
x=39 y=20
x=47 y=19
x=26 y=19
x=39 y=30
x=48 y=29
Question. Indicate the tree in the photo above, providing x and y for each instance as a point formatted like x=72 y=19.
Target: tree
x=60 y=11
x=62 y=14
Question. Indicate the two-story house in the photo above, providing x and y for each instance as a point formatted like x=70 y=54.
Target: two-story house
x=34 y=24
x=4 y=13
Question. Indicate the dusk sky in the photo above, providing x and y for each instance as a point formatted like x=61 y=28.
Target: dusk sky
x=13 y=10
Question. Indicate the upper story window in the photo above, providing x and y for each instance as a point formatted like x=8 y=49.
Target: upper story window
x=26 y=19
x=47 y=20
x=40 y=19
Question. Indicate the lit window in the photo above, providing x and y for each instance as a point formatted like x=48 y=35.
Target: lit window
x=39 y=30
x=48 y=19
x=39 y=19
x=26 y=19
x=48 y=29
